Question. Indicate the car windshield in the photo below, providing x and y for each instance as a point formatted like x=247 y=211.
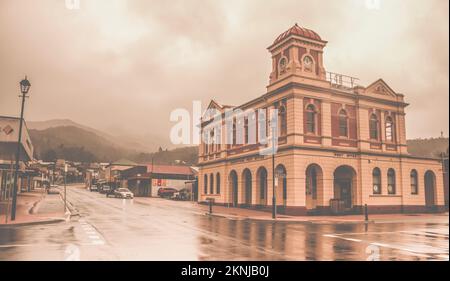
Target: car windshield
x=123 y=190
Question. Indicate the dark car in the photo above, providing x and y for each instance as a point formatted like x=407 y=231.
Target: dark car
x=166 y=192
x=182 y=195
x=104 y=189
x=94 y=187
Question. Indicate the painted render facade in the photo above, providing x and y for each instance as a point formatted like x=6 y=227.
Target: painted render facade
x=340 y=145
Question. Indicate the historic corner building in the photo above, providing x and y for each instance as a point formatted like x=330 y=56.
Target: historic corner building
x=340 y=145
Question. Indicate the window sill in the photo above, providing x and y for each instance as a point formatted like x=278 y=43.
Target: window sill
x=384 y=195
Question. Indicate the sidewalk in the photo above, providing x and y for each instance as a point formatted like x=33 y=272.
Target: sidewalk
x=36 y=207
x=246 y=214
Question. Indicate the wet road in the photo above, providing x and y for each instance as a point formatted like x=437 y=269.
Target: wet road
x=156 y=229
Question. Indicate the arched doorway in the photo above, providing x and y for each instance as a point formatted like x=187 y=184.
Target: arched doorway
x=261 y=186
x=247 y=184
x=345 y=186
x=430 y=188
x=233 y=180
x=314 y=181
x=281 y=186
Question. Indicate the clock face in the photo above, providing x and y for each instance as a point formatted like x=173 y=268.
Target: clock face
x=307 y=61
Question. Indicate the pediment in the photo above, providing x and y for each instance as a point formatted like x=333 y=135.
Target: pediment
x=213 y=105
x=380 y=88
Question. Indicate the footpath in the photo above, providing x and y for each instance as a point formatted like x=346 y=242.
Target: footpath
x=35 y=207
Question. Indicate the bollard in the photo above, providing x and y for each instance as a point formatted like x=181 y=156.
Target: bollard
x=366 y=212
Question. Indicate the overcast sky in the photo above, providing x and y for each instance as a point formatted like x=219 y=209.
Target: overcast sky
x=123 y=65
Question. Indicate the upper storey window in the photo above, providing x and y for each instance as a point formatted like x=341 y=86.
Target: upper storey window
x=373 y=127
x=389 y=129
x=311 y=119
x=282 y=116
x=343 y=123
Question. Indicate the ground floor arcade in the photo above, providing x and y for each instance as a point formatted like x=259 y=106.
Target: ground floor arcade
x=317 y=182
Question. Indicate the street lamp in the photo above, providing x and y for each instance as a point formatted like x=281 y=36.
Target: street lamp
x=25 y=86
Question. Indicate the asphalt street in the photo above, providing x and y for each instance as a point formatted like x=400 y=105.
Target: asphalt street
x=158 y=229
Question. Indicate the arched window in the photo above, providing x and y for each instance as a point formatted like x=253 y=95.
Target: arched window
x=376 y=181
x=373 y=127
x=217 y=183
x=282 y=65
x=389 y=129
x=205 y=184
x=391 y=181
x=282 y=121
x=414 y=183
x=211 y=184
x=343 y=123
x=311 y=119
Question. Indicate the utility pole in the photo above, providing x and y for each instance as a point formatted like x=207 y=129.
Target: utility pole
x=65 y=188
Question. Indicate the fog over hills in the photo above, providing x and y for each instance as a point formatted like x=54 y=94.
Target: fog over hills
x=127 y=142
x=66 y=139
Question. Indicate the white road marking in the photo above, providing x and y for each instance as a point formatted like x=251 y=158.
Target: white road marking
x=92 y=233
x=419 y=250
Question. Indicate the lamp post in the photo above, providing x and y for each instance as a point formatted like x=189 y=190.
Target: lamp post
x=25 y=86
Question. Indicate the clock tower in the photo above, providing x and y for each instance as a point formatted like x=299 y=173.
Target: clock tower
x=297 y=52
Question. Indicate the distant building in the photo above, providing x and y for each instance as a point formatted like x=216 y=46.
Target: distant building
x=113 y=170
x=145 y=180
x=340 y=145
x=9 y=129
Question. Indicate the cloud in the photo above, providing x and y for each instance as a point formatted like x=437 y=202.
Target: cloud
x=124 y=65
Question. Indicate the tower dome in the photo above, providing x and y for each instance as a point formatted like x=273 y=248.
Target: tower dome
x=298 y=31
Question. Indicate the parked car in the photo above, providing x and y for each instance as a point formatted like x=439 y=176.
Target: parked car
x=182 y=195
x=166 y=192
x=53 y=189
x=94 y=187
x=124 y=193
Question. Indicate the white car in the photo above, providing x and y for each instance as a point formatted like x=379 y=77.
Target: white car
x=123 y=193
x=53 y=189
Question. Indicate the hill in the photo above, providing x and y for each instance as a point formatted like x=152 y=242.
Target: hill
x=127 y=143
x=432 y=147
x=60 y=140
x=75 y=144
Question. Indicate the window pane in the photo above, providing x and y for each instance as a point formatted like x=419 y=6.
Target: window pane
x=373 y=127
x=391 y=182
x=310 y=122
x=389 y=130
x=343 y=126
x=376 y=181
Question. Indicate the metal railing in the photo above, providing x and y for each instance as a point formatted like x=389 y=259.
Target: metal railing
x=342 y=81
